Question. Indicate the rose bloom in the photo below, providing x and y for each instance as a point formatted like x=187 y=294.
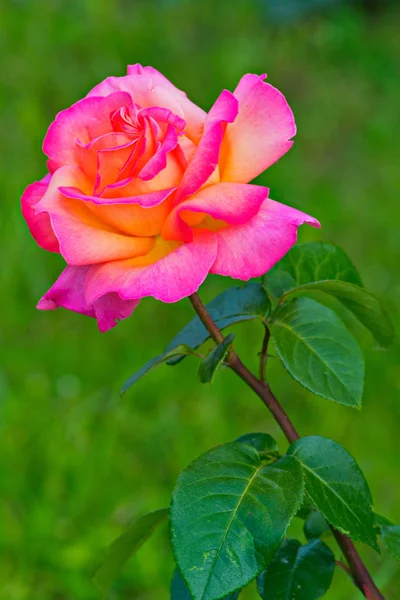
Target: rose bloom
x=146 y=193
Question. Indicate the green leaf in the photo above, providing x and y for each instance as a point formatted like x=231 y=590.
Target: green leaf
x=318 y=351
x=315 y=525
x=391 y=539
x=180 y=591
x=262 y=442
x=298 y=572
x=337 y=487
x=125 y=546
x=234 y=305
x=366 y=307
x=178 y=351
x=322 y=267
x=210 y=364
x=229 y=514
x=308 y=263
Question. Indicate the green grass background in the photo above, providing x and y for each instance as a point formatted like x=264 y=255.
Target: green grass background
x=76 y=462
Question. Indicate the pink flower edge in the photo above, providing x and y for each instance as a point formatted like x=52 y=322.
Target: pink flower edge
x=68 y=292
x=252 y=249
x=111 y=291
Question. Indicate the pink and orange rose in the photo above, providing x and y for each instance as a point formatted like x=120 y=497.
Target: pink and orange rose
x=146 y=193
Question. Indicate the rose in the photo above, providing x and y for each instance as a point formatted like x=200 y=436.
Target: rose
x=146 y=193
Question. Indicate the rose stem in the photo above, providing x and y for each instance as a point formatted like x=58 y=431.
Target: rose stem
x=359 y=571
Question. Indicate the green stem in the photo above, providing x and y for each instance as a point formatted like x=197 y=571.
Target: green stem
x=360 y=574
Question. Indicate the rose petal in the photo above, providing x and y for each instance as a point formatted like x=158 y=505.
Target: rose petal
x=250 y=250
x=68 y=292
x=261 y=132
x=167 y=179
x=84 y=238
x=162 y=115
x=83 y=121
x=143 y=90
x=105 y=159
x=158 y=161
x=133 y=219
x=148 y=200
x=193 y=115
x=39 y=224
x=187 y=148
x=110 y=309
x=234 y=203
x=170 y=278
x=205 y=158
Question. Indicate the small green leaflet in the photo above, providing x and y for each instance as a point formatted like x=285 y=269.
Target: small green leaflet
x=315 y=525
x=179 y=351
x=318 y=351
x=322 y=267
x=210 y=364
x=391 y=539
x=262 y=442
x=234 y=305
x=179 y=589
x=125 y=546
x=337 y=487
x=229 y=515
x=298 y=572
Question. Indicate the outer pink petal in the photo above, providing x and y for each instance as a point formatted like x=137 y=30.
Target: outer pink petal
x=139 y=89
x=87 y=119
x=170 y=279
x=110 y=309
x=251 y=250
x=260 y=135
x=193 y=115
x=39 y=224
x=205 y=158
x=84 y=238
x=234 y=203
x=68 y=292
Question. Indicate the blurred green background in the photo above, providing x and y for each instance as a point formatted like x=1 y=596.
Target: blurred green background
x=76 y=462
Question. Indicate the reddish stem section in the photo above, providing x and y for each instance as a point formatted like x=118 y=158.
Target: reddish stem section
x=359 y=572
